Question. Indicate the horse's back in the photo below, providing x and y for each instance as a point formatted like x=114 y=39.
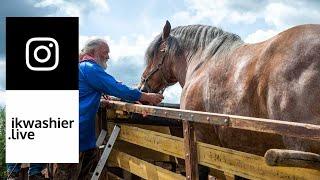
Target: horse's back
x=276 y=79
x=293 y=66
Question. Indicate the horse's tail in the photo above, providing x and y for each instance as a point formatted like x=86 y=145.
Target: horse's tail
x=292 y=158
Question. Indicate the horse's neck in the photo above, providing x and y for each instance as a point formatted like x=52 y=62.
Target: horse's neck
x=194 y=60
x=184 y=65
x=204 y=56
x=180 y=69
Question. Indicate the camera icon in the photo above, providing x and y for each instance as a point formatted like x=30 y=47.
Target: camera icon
x=42 y=54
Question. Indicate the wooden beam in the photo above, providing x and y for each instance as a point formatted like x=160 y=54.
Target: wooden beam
x=164 y=143
x=141 y=168
x=227 y=160
x=300 y=130
x=190 y=150
x=177 y=114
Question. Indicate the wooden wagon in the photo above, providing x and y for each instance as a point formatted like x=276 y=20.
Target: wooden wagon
x=145 y=147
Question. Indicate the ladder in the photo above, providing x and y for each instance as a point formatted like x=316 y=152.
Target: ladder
x=106 y=151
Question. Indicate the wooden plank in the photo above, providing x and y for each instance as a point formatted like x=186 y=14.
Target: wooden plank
x=230 y=161
x=178 y=114
x=164 y=143
x=190 y=150
x=141 y=168
x=140 y=152
x=300 y=130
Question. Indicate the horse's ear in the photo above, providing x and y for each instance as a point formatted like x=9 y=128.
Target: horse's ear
x=166 y=30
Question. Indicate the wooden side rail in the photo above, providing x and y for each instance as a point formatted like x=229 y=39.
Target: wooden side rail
x=300 y=130
x=227 y=160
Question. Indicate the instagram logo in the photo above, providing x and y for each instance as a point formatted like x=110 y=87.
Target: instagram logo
x=42 y=54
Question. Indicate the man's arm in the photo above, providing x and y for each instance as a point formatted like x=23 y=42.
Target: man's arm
x=105 y=83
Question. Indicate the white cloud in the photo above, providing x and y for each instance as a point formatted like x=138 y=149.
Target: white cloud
x=101 y=4
x=125 y=46
x=217 y=12
x=184 y=18
x=63 y=7
x=172 y=94
x=275 y=16
x=74 y=8
x=260 y=35
x=245 y=17
x=284 y=15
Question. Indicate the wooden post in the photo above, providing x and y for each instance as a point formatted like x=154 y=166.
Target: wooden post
x=190 y=149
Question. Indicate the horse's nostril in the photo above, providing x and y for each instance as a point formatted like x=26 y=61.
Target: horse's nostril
x=142 y=88
x=139 y=86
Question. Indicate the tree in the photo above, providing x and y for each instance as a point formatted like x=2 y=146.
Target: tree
x=2 y=143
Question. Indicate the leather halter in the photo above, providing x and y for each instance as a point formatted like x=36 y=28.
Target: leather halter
x=144 y=81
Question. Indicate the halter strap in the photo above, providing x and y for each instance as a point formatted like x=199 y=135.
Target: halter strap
x=144 y=81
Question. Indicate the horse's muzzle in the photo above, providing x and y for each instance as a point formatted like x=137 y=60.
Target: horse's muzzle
x=142 y=87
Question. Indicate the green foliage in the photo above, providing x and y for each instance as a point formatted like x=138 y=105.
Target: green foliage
x=2 y=143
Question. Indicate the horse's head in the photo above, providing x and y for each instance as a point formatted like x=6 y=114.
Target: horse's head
x=160 y=68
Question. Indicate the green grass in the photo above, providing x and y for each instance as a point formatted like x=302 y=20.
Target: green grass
x=2 y=143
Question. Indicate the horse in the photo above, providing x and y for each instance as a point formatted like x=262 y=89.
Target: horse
x=278 y=78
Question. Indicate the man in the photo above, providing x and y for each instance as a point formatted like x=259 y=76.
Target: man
x=93 y=81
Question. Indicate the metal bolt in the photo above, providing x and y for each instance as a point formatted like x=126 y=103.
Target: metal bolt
x=188 y=177
x=185 y=131
x=208 y=119
x=187 y=154
x=166 y=113
x=180 y=115
x=226 y=120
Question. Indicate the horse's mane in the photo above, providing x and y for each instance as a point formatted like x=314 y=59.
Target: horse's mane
x=192 y=38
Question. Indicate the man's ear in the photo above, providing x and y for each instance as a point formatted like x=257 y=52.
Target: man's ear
x=166 y=30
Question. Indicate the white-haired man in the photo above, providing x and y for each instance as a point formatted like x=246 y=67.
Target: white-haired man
x=93 y=81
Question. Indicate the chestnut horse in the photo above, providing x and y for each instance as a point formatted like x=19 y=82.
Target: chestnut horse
x=276 y=79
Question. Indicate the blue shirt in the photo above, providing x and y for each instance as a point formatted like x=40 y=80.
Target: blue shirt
x=93 y=81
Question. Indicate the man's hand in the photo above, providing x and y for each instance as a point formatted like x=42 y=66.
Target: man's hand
x=151 y=98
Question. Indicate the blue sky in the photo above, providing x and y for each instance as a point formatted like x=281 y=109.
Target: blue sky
x=129 y=26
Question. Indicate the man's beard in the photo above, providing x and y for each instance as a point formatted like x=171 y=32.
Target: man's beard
x=102 y=63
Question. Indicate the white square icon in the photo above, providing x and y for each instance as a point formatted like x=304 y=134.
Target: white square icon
x=51 y=48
